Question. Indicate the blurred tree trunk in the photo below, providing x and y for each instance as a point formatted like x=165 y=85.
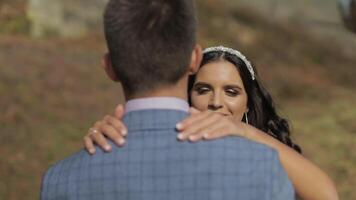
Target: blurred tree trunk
x=348 y=13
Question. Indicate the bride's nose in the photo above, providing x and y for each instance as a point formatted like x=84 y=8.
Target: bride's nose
x=215 y=101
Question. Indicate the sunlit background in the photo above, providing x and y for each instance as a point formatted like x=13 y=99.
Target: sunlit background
x=52 y=86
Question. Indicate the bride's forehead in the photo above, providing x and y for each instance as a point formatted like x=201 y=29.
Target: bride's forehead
x=219 y=69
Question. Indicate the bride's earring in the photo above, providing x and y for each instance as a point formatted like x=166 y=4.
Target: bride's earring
x=246 y=118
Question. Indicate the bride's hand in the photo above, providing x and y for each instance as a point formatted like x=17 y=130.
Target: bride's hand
x=208 y=125
x=110 y=127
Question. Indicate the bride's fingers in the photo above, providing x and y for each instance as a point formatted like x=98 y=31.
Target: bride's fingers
x=216 y=132
x=88 y=144
x=181 y=126
x=100 y=140
x=119 y=111
x=204 y=131
x=109 y=131
x=117 y=124
x=225 y=128
x=193 y=130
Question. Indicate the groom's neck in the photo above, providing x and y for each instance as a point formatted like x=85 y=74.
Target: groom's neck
x=178 y=90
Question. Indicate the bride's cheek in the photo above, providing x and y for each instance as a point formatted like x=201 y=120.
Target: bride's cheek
x=199 y=102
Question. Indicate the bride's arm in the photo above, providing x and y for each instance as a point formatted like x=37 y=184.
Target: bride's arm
x=310 y=182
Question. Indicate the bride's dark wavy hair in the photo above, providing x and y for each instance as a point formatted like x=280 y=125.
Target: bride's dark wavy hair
x=262 y=113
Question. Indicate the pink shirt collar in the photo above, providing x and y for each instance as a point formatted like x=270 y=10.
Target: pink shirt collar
x=169 y=103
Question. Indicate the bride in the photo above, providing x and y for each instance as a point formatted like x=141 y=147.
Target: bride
x=228 y=99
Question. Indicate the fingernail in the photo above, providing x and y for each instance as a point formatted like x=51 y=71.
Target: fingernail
x=206 y=135
x=91 y=151
x=191 y=137
x=180 y=136
x=124 y=132
x=107 y=148
x=121 y=141
x=179 y=126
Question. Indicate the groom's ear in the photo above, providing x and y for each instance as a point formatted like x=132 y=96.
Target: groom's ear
x=195 y=59
x=107 y=65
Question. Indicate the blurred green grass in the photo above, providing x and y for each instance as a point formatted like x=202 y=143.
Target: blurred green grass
x=52 y=90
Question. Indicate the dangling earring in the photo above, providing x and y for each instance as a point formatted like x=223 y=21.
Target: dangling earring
x=246 y=118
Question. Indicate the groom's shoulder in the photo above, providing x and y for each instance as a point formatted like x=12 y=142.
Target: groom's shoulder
x=67 y=171
x=243 y=148
x=65 y=166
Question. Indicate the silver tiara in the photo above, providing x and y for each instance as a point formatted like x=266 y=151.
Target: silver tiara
x=233 y=52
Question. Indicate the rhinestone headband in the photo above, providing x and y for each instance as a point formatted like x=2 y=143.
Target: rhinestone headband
x=233 y=52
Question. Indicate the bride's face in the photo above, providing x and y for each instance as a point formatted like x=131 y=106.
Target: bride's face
x=218 y=87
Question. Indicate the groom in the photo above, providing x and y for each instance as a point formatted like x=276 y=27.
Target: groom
x=152 y=51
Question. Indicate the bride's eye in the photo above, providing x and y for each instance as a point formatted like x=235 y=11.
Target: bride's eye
x=231 y=92
x=202 y=90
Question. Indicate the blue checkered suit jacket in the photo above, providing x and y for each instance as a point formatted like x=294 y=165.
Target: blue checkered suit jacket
x=155 y=166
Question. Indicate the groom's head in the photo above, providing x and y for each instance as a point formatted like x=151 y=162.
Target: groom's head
x=152 y=43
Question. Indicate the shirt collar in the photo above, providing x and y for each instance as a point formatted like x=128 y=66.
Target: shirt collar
x=170 y=103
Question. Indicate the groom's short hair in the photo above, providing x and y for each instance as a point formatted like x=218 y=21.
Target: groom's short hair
x=150 y=41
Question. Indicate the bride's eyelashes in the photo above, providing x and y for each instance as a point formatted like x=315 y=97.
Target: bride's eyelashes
x=230 y=91
x=201 y=88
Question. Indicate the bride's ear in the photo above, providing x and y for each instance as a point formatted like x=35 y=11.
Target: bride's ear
x=108 y=67
x=195 y=60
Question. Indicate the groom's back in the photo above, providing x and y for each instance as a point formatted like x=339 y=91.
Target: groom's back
x=154 y=165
